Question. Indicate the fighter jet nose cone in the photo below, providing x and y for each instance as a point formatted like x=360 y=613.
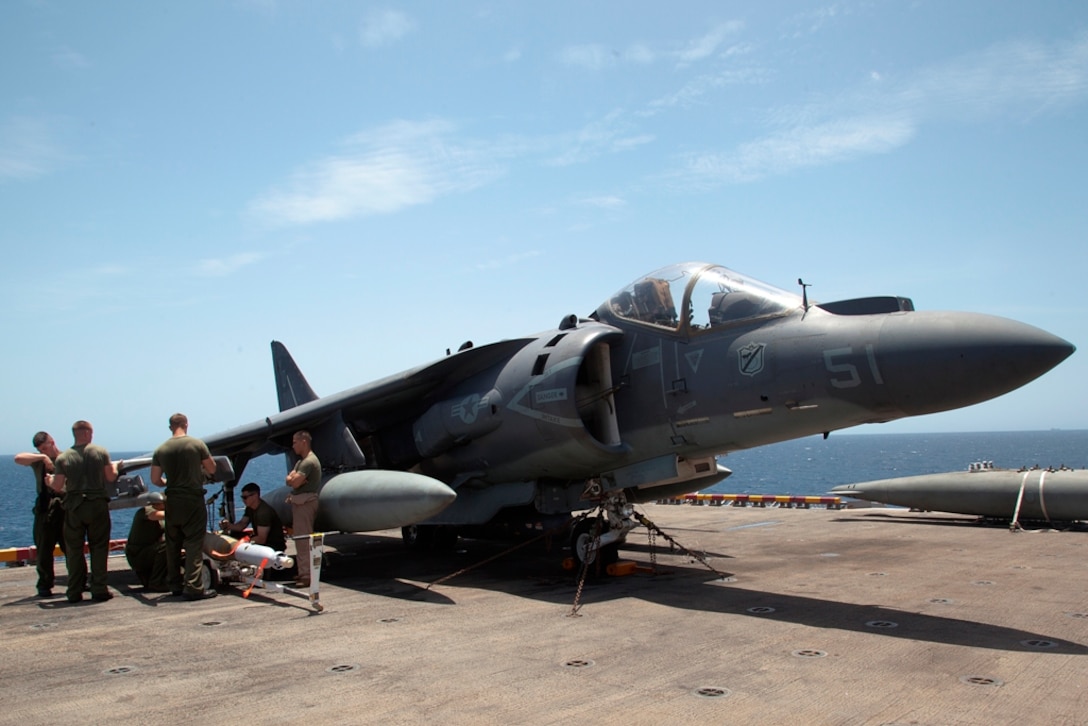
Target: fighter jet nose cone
x=1059 y=350
x=1024 y=350
x=940 y=361
x=1020 y=348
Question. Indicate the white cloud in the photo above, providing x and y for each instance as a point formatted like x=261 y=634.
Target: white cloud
x=268 y=8
x=1020 y=77
x=590 y=57
x=222 y=266
x=384 y=27
x=639 y=54
x=707 y=45
x=381 y=171
x=27 y=150
x=404 y=164
x=797 y=148
x=610 y=134
x=700 y=87
x=597 y=57
x=623 y=143
x=342 y=187
x=110 y=269
x=884 y=112
x=813 y=21
x=509 y=261
x=69 y=58
x=605 y=202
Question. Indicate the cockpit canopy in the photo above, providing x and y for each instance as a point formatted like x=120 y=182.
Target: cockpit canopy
x=695 y=296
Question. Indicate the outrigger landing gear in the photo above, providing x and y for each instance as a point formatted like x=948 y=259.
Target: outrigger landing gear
x=311 y=593
x=317 y=552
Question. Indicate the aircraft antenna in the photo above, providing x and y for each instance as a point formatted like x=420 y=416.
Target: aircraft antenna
x=804 y=292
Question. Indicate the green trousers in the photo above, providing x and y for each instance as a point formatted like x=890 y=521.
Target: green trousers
x=87 y=519
x=186 y=521
x=149 y=564
x=48 y=533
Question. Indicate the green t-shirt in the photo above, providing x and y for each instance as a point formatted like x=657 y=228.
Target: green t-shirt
x=144 y=531
x=309 y=467
x=84 y=469
x=45 y=494
x=265 y=516
x=180 y=458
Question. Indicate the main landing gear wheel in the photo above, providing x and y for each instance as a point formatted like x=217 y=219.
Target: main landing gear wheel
x=581 y=547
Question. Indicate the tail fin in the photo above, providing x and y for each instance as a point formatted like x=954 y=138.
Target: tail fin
x=291 y=385
x=333 y=443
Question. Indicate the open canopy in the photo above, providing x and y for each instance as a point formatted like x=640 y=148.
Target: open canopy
x=695 y=296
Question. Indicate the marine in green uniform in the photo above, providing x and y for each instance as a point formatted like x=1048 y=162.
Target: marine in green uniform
x=82 y=473
x=181 y=464
x=266 y=524
x=259 y=514
x=305 y=480
x=48 y=508
x=145 y=549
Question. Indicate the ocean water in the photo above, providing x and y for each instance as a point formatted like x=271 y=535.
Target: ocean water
x=813 y=465
x=809 y=466
x=17 y=484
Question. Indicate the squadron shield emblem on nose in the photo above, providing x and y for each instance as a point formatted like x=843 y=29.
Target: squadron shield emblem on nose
x=750 y=358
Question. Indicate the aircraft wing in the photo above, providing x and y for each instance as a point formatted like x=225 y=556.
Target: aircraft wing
x=365 y=408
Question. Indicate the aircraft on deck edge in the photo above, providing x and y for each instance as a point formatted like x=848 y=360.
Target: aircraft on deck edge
x=633 y=403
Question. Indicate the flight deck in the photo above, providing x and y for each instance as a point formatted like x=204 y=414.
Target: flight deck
x=814 y=616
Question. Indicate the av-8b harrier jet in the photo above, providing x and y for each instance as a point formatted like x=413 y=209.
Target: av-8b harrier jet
x=631 y=403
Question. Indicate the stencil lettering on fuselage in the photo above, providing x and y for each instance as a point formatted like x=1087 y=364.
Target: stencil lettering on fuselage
x=520 y=401
x=646 y=358
x=550 y=395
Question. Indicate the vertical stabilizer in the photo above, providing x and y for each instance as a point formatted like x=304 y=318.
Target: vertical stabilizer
x=333 y=443
x=291 y=385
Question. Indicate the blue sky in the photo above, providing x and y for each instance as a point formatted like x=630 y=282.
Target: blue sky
x=375 y=183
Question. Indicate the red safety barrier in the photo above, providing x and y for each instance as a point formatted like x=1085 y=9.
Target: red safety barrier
x=760 y=500
x=26 y=554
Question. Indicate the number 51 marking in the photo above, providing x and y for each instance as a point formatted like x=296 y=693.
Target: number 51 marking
x=844 y=373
